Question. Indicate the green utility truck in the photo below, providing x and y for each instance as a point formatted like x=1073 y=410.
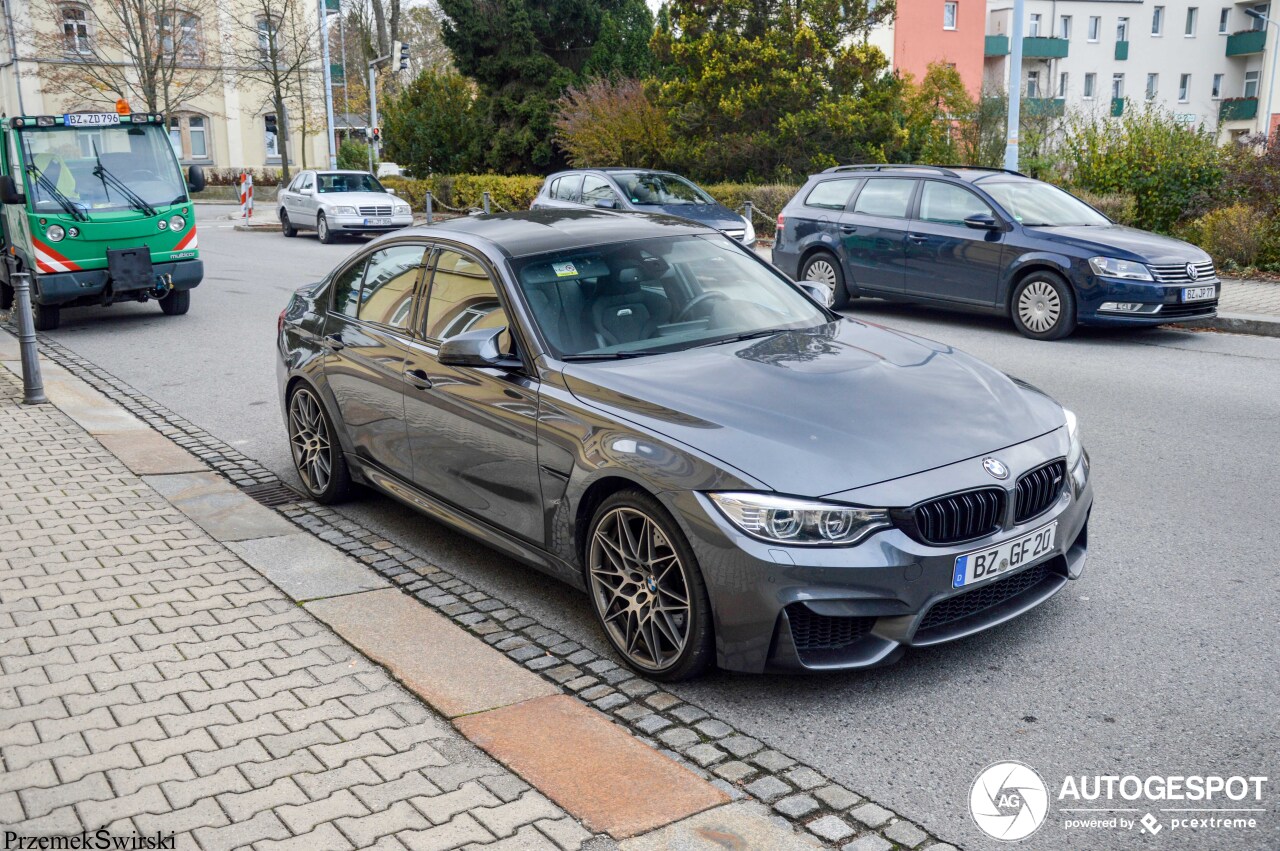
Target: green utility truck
x=97 y=211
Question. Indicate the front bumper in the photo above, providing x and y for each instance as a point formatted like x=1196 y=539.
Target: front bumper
x=1161 y=303
x=358 y=223
x=779 y=608
x=89 y=285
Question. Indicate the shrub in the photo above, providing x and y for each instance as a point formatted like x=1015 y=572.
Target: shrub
x=435 y=125
x=465 y=191
x=354 y=155
x=767 y=200
x=1117 y=206
x=611 y=123
x=1251 y=173
x=231 y=176
x=1233 y=235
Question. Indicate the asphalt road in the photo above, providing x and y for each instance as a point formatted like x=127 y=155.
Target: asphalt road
x=1161 y=660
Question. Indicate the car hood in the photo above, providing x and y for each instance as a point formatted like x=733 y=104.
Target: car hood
x=357 y=199
x=823 y=410
x=1129 y=243
x=712 y=215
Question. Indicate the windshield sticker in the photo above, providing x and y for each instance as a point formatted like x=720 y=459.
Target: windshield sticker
x=564 y=270
x=90 y=119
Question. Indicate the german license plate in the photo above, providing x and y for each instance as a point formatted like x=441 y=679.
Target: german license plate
x=1002 y=558
x=1198 y=293
x=376 y=223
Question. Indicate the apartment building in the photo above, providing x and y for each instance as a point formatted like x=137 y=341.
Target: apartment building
x=1209 y=65
x=228 y=123
x=928 y=31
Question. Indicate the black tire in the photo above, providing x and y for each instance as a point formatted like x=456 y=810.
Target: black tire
x=323 y=232
x=286 y=226
x=616 y=586
x=47 y=316
x=176 y=303
x=825 y=265
x=1043 y=306
x=6 y=296
x=305 y=412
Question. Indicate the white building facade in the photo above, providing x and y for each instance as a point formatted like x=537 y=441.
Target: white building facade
x=1210 y=65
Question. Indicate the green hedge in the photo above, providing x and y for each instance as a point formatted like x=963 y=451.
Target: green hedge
x=767 y=200
x=467 y=190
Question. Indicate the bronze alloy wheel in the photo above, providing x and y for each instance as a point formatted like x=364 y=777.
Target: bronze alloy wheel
x=641 y=588
x=317 y=456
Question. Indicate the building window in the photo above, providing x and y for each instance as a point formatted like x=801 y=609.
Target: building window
x=949 y=14
x=75 y=29
x=1090 y=84
x=1034 y=30
x=1062 y=84
x=1217 y=86
x=1064 y=27
x=1224 y=20
x=1095 y=27
x=1033 y=84
x=1250 y=84
x=272 y=136
x=266 y=35
x=1122 y=29
x=1258 y=23
x=1184 y=88
x=1153 y=84
x=1193 y=15
x=1157 y=20
x=1117 y=85
x=180 y=33
x=189 y=136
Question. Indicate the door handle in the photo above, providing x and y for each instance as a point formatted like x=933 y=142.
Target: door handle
x=917 y=238
x=333 y=342
x=418 y=378
x=848 y=228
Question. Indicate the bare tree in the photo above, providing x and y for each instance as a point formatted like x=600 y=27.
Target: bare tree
x=149 y=52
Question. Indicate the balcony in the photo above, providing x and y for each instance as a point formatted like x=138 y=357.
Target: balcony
x=1246 y=43
x=1122 y=50
x=1044 y=107
x=1044 y=47
x=1117 y=107
x=997 y=45
x=1238 y=109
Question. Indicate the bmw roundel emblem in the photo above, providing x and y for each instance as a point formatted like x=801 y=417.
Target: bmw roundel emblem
x=995 y=467
x=1192 y=272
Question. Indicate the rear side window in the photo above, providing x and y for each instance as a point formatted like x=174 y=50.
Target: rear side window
x=346 y=289
x=889 y=197
x=831 y=194
x=946 y=203
x=387 y=295
x=596 y=189
x=566 y=188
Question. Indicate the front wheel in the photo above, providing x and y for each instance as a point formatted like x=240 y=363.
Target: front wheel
x=1043 y=307
x=176 y=303
x=317 y=454
x=47 y=316
x=322 y=229
x=825 y=269
x=646 y=588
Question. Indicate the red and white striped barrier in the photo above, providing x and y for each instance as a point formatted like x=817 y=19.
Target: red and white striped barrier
x=246 y=195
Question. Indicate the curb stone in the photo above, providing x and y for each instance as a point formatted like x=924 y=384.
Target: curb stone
x=618 y=693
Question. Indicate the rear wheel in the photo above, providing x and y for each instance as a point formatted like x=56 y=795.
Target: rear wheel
x=1043 y=307
x=286 y=226
x=176 y=303
x=646 y=588
x=6 y=296
x=47 y=316
x=322 y=230
x=824 y=268
x=317 y=454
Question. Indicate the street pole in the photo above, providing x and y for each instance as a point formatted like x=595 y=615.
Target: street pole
x=328 y=83
x=373 y=111
x=1015 y=87
x=32 y=382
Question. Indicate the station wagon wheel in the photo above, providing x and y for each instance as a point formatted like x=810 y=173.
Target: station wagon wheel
x=824 y=268
x=1043 y=307
x=647 y=590
x=317 y=456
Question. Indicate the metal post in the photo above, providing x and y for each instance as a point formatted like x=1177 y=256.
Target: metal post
x=373 y=112
x=1015 y=87
x=32 y=383
x=430 y=213
x=486 y=202
x=747 y=216
x=328 y=82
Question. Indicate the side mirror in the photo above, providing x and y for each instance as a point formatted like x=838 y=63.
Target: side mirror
x=195 y=178
x=607 y=203
x=391 y=191
x=822 y=293
x=477 y=348
x=9 y=193
x=982 y=222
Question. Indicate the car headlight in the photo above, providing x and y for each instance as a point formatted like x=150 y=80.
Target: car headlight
x=402 y=209
x=177 y=223
x=1112 y=267
x=749 y=236
x=344 y=211
x=55 y=233
x=1077 y=447
x=799 y=522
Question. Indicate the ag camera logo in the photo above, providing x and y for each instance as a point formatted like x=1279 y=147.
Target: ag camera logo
x=1009 y=801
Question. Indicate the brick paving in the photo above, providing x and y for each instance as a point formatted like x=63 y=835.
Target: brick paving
x=151 y=681
x=1257 y=298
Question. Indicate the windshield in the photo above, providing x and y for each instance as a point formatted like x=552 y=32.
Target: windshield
x=348 y=183
x=657 y=295
x=61 y=168
x=657 y=189
x=1041 y=205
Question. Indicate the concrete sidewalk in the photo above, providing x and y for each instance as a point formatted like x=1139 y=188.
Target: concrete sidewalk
x=1248 y=307
x=179 y=658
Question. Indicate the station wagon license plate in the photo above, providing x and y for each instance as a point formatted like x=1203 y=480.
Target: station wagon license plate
x=1010 y=555
x=378 y=223
x=1198 y=293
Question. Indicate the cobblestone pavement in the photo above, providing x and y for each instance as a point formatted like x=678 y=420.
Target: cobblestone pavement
x=1258 y=298
x=151 y=681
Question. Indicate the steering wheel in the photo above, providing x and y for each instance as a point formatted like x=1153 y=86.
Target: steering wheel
x=712 y=295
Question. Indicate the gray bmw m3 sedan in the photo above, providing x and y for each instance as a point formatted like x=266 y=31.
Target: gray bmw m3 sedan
x=641 y=407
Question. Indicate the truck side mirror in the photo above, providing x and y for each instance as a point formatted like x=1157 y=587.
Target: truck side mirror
x=9 y=193
x=195 y=178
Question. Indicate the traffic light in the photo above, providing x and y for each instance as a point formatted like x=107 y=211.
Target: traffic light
x=377 y=133
x=400 y=55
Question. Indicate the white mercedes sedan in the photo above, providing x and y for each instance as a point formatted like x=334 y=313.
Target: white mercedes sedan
x=333 y=203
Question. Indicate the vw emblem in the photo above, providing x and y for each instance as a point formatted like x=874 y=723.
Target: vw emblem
x=1192 y=272
x=995 y=467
